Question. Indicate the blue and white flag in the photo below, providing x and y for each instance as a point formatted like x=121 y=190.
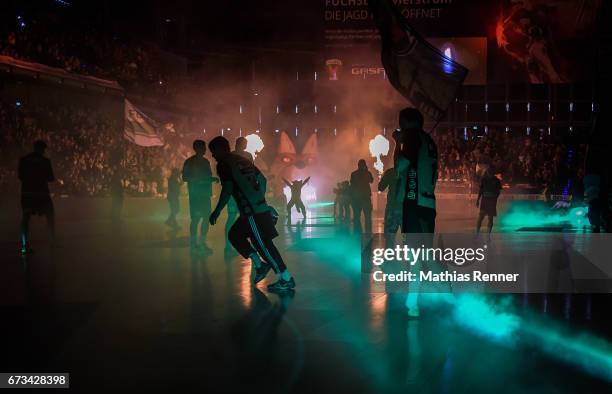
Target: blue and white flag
x=140 y=129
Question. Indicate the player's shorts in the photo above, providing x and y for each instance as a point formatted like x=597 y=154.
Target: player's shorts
x=488 y=206
x=36 y=204
x=265 y=224
x=199 y=206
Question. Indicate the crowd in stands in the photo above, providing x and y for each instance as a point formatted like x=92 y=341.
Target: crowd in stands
x=518 y=158
x=88 y=53
x=87 y=149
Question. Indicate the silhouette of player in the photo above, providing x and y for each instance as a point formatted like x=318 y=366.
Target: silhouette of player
x=198 y=175
x=361 y=195
x=296 y=196
x=490 y=187
x=393 y=208
x=253 y=233
x=416 y=162
x=232 y=208
x=240 y=148
x=342 y=202
x=35 y=173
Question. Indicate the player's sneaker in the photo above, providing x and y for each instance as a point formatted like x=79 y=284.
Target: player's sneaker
x=261 y=272
x=282 y=285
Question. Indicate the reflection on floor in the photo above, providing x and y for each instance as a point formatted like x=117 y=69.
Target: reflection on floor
x=131 y=308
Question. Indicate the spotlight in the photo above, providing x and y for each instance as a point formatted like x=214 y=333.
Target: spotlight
x=254 y=144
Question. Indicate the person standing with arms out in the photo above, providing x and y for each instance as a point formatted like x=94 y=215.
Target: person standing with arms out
x=362 y=196
x=198 y=175
x=416 y=162
x=174 y=192
x=35 y=173
x=232 y=209
x=253 y=233
x=296 y=196
x=490 y=187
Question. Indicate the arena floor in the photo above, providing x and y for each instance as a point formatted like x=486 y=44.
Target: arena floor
x=129 y=307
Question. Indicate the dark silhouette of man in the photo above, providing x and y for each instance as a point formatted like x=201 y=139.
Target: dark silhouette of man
x=35 y=173
x=253 y=232
x=393 y=208
x=232 y=209
x=240 y=148
x=361 y=194
x=342 y=202
x=416 y=162
x=174 y=192
x=198 y=175
x=296 y=196
x=488 y=193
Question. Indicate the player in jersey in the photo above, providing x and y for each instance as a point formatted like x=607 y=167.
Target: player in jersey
x=232 y=210
x=490 y=186
x=35 y=173
x=296 y=196
x=240 y=148
x=253 y=232
x=198 y=175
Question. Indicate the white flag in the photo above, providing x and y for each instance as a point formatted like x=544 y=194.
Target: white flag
x=140 y=129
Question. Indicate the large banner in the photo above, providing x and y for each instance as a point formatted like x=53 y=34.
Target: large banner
x=139 y=128
x=425 y=76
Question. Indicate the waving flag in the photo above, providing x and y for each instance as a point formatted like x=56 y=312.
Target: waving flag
x=415 y=68
x=139 y=128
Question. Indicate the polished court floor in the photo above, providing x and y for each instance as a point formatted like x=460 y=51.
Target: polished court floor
x=130 y=308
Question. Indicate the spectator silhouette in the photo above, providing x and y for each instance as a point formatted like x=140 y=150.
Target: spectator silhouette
x=361 y=194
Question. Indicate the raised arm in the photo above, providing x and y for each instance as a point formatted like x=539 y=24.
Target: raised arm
x=287 y=182
x=305 y=181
